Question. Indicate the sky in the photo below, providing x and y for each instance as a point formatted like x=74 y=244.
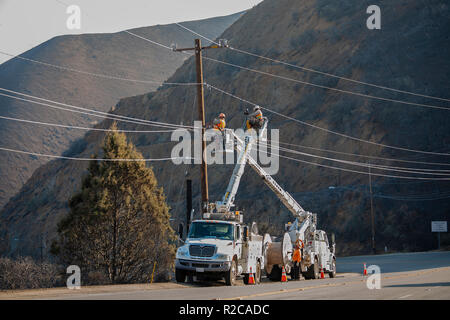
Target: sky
x=25 y=24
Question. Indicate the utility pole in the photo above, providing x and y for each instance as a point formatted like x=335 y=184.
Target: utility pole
x=201 y=111
x=371 y=210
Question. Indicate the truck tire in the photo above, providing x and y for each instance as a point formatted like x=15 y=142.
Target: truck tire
x=275 y=275
x=230 y=276
x=333 y=271
x=313 y=270
x=180 y=275
x=257 y=274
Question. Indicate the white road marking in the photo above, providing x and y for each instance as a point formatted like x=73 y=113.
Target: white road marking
x=408 y=295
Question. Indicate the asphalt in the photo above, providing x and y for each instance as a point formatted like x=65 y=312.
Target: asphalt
x=403 y=276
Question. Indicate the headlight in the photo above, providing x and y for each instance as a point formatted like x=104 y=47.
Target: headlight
x=182 y=252
x=223 y=256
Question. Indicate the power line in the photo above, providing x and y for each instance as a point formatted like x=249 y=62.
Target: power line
x=87 y=159
x=317 y=71
x=364 y=156
x=317 y=127
x=414 y=197
x=93 y=112
x=98 y=74
x=362 y=172
x=325 y=87
x=148 y=40
x=83 y=128
x=81 y=112
x=326 y=130
x=377 y=167
x=198 y=34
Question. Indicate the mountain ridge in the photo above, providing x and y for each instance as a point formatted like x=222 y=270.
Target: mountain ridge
x=310 y=33
x=117 y=54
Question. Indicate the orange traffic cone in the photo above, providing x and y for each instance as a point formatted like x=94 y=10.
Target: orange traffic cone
x=322 y=275
x=251 y=278
x=283 y=275
x=365 y=270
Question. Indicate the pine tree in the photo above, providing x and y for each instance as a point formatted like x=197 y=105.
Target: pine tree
x=118 y=225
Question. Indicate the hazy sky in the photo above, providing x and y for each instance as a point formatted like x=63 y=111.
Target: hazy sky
x=27 y=23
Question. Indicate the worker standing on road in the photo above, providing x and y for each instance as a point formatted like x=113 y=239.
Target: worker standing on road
x=219 y=123
x=255 y=119
x=297 y=258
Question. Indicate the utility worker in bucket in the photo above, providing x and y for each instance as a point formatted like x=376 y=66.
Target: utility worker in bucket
x=297 y=258
x=219 y=123
x=255 y=119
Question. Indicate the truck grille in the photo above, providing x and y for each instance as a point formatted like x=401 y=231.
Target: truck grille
x=201 y=251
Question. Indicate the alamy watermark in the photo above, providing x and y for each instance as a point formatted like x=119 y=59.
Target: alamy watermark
x=220 y=147
x=374 y=20
x=74 y=20
x=374 y=279
x=74 y=280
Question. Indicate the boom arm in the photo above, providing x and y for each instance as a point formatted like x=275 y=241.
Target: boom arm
x=304 y=219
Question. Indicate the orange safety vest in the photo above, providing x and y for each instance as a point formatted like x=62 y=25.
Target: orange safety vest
x=221 y=125
x=297 y=257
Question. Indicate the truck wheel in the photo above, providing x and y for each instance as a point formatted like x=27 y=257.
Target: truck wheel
x=230 y=276
x=333 y=272
x=313 y=270
x=180 y=275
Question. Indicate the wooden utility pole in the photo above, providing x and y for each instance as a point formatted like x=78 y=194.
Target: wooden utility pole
x=201 y=112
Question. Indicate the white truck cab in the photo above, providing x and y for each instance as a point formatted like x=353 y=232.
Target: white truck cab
x=216 y=249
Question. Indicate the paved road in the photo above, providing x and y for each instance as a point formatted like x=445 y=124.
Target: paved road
x=403 y=276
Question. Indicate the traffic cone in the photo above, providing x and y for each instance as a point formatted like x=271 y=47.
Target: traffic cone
x=365 y=270
x=251 y=278
x=283 y=275
x=322 y=275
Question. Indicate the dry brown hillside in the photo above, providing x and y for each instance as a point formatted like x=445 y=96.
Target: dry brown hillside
x=119 y=54
x=410 y=52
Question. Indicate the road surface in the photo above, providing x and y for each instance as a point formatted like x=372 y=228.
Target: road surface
x=403 y=276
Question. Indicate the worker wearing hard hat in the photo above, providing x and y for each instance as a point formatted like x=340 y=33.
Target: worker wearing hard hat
x=219 y=123
x=255 y=119
x=297 y=258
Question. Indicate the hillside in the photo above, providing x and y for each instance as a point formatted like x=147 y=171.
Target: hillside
x=410 y=53
x=119 y=54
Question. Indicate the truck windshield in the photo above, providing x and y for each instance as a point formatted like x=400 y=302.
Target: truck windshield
x=222 y=231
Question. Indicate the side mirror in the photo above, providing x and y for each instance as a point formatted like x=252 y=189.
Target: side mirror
x=333 y=238
x=180 y=230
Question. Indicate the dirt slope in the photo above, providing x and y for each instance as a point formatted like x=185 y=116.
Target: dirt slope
x=410 y=52
x=118 y=54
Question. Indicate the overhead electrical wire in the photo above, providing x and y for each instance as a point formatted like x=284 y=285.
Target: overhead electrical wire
x=362 y=156
x=362 y=172
x=317 y=71
x=83 y=128
x=366 y=165
x=82 y=112
x=88 y=159
x=91 y=112
x=153 y=42
x=320 y=128
x=324 y=129
x=105 y=76
x=325 y=87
